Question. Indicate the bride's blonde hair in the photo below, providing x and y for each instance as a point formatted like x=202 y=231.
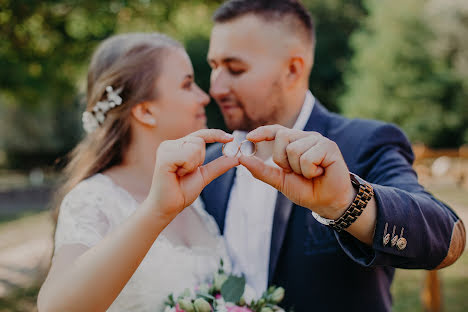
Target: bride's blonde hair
x=129 y=61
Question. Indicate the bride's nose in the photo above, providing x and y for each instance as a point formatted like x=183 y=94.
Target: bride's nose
x=204 y=98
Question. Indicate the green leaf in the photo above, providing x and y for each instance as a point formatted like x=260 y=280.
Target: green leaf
x=170 y=301
x=233 y=288
x=206 y=296
x=221 y=264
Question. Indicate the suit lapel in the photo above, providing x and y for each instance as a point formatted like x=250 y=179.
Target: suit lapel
x=224 y=192
x=318 y=119
x=283 y=208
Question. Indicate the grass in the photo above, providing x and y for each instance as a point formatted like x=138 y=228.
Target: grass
x=406 y=288
x=12 y=233
x=21 y=300
x=6 y=219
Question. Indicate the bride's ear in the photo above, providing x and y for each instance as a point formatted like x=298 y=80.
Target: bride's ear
x=145 y=113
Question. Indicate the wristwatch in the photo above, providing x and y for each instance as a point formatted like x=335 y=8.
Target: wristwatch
x=364 y=195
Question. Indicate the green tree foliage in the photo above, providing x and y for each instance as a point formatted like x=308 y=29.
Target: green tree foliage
x=335 y=21
x=44 y=52
x=410 y=68
x=410 y=64
x=46 y=46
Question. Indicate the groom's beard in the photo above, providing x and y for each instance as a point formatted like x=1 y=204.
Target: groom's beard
x=269 y=115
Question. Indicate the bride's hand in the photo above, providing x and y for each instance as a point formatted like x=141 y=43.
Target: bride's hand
x=180 y=176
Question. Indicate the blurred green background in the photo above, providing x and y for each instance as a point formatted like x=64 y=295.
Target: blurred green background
x=404 y=62
x=401 y=61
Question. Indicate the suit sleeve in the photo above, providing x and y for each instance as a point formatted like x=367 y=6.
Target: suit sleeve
x=435 y=236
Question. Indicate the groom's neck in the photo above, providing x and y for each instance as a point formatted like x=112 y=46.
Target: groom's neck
x=293 y=103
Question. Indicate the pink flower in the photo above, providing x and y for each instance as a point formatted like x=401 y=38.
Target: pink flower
x=178 y=309
x=237 y=309
x=218 y=296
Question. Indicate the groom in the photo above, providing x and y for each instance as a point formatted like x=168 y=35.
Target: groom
x=342 y=257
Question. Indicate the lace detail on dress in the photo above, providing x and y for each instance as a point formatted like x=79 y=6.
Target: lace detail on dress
x=96 y=206
x=81 y=218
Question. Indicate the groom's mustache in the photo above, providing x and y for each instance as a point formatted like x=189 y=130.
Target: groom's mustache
x=227 y=102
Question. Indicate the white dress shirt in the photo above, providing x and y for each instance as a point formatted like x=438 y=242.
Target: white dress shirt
x=249 y=216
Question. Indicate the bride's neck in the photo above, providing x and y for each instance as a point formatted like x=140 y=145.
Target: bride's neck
x=135 y=172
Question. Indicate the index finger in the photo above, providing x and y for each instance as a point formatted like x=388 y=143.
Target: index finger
x=276 y=132
x=213 y=135
x=264 y=133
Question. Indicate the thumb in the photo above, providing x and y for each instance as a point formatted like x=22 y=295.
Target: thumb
x=217 y=167
x=270 y=175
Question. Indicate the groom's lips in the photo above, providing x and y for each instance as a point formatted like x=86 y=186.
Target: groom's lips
x=228 y=107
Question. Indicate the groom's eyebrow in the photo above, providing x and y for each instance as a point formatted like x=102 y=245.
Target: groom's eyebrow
x=227 y=60
x=232 y=60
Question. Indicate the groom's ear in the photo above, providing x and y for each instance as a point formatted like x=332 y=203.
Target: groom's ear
x=295 y=71
x=145 y=113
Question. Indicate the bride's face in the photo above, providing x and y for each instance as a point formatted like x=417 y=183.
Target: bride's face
x=180 y=102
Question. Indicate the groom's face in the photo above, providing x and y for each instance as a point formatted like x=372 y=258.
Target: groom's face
x=248 y=65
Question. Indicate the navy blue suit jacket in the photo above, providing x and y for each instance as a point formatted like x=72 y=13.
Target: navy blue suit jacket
x=323 y=270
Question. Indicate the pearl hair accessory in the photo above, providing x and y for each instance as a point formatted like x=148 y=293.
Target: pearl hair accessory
x=94 y=118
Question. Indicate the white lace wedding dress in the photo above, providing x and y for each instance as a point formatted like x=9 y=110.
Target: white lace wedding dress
x=184 y=255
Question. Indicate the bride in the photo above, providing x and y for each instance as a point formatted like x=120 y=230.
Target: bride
x=123 y=239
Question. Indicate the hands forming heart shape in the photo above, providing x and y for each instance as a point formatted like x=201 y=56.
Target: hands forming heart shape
x=312 y=172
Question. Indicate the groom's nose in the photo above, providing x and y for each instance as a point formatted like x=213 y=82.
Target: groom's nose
x=219 y=86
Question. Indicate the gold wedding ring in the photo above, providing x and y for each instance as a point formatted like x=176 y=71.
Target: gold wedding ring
x=240 y=148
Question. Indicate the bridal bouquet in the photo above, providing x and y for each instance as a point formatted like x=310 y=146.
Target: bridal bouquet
x=225 y=293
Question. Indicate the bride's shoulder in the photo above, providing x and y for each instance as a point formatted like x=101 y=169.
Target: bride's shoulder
x=95 y=189
x=87 y=212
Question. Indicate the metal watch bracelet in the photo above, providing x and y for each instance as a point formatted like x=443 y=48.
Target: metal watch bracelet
x=364 y=195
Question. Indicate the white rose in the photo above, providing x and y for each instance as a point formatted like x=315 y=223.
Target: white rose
x=249 y=294
x=169 y=309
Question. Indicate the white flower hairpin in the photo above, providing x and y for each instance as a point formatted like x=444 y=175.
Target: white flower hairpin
x=94 y=118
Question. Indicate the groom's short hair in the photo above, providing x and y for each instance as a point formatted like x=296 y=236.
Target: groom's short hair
x=290 y=11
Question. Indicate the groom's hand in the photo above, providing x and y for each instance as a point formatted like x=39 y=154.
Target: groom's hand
x=312 y=172
x=180 y=175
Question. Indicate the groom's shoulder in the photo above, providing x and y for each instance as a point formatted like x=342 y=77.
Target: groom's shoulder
x=335 y=125
x=339 y=123
x=213 y=151
x=363 y=129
